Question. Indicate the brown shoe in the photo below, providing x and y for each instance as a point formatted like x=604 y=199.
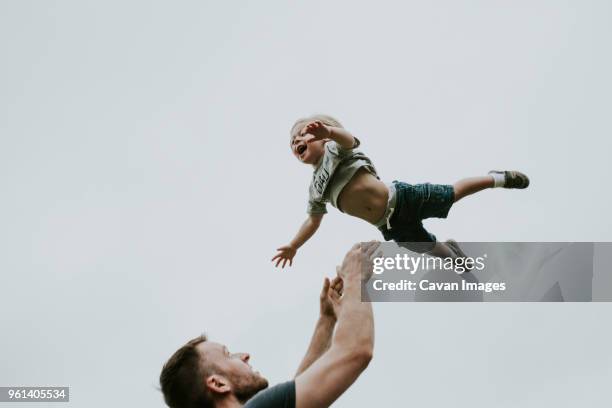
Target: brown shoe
x=513 y=178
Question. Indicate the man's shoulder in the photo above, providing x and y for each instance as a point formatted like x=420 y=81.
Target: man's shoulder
x=280 y=396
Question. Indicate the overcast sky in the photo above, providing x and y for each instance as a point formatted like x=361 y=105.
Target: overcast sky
x=146 y=181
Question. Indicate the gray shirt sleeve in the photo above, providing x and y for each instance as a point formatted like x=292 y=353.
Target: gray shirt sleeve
x=316 y=207
x=279 y=396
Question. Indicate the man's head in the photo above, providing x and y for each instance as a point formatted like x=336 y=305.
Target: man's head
x=202 y=372
x=309 y=153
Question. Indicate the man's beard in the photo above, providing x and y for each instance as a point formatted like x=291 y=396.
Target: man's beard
x=246 y=387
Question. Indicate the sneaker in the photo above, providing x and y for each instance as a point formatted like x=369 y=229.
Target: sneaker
x=513 y=179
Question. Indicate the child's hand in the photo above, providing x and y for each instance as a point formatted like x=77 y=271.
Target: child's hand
x=285 y=254
x=317 y=129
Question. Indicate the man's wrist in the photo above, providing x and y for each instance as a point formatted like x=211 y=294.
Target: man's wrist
x=352 y=283
x=327 y=319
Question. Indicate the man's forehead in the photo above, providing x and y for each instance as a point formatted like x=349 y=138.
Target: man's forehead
x=211 y=347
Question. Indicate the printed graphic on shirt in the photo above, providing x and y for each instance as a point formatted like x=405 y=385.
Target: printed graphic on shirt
x=321 y=178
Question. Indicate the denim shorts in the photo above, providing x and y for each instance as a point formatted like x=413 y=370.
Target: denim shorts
x=414 y=203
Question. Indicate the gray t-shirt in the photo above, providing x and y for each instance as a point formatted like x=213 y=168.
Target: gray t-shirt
x=279 y=396
x=336 y=168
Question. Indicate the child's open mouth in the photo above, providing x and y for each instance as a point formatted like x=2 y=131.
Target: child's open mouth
x=301 y=149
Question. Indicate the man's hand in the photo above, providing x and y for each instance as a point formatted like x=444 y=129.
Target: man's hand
x=285 y=254
x=358 y=261
x=330 y=297
x=317 y=129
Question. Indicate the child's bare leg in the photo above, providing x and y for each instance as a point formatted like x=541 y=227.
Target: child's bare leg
x=471 y=185
x=495 y=178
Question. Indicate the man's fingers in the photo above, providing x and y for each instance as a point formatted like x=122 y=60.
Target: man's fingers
x=338 y=284
x=336 y=291
x=340 y=287
x=325 y=288
x=370 y=247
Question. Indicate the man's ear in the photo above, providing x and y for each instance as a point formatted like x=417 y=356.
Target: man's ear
x=218 y=384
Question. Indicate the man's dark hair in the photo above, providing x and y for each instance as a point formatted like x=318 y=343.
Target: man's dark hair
x=182 y=378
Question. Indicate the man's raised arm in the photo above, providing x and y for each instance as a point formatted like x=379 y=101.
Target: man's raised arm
x=322 y=336
x=353 y=343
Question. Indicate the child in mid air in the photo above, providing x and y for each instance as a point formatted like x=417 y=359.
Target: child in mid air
x=346 y=178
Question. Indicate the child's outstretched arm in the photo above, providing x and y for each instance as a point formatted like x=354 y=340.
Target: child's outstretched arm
x=287 y=252
x=320 y=131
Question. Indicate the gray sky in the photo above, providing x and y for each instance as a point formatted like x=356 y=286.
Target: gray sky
x=146 y=181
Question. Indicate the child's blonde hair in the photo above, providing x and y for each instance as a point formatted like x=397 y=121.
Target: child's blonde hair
x=300 y=123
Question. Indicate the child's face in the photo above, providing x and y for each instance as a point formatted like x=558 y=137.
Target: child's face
x=309 y=153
